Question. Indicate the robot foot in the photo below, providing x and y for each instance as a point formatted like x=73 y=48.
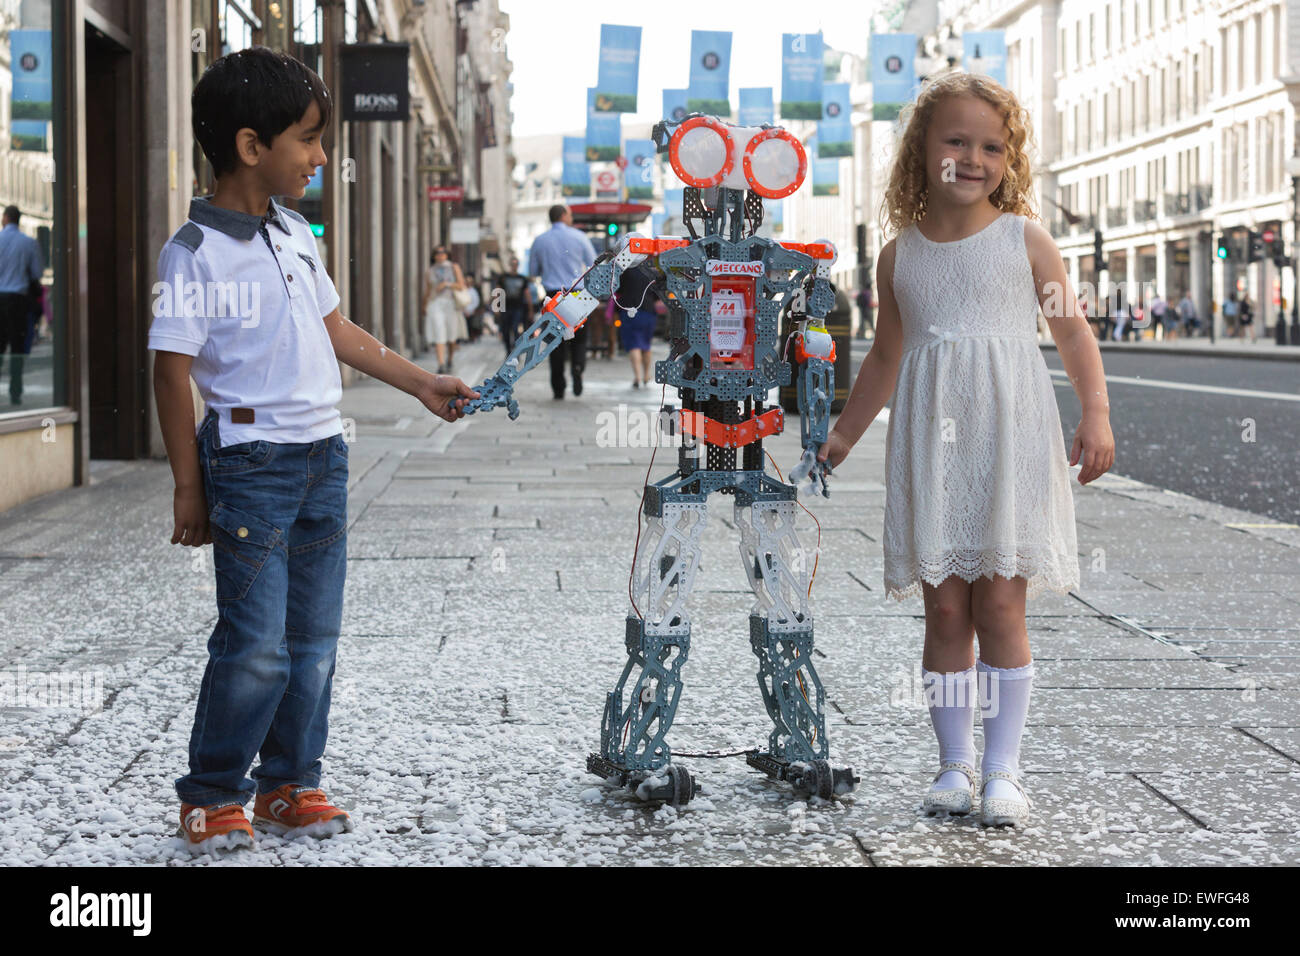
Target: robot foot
x=816 y=778
x=672 y=784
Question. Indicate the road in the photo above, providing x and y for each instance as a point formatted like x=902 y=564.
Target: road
x=1223 y=429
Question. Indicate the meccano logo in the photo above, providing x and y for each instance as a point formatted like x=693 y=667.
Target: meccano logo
x=719 y=267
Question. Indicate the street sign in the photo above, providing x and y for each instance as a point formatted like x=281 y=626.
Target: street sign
x=621 y=162
x=446 y=193
x=606 y=179
x=1269 y=235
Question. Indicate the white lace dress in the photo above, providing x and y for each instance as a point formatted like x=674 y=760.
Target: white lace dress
x=977 y=474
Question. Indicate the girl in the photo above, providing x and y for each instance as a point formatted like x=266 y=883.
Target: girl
x=442 y=317
x=978 y=509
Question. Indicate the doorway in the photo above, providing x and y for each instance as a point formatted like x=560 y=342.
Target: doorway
x=116 y=330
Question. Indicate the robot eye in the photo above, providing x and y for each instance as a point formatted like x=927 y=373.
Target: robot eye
x=775 y=163
x=702 y=152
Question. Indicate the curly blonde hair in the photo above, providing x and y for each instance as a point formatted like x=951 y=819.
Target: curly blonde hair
x=908 y=189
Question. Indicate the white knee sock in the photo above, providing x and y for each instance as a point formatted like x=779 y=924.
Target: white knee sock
x=1004 y=704
x=951 y=699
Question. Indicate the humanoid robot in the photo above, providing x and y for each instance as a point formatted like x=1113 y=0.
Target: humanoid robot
x=726 y=288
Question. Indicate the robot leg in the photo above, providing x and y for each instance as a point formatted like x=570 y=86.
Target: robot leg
x=633 y=745
x=781 y=634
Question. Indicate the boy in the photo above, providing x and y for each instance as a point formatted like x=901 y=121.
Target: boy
x=244 y=305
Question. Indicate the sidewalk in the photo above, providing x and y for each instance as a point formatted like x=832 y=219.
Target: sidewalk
x=1263 y=348
x=487 y=587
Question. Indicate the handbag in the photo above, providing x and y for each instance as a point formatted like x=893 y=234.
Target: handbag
x=461 y=298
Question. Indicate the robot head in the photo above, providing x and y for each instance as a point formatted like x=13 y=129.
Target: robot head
x=705 y=152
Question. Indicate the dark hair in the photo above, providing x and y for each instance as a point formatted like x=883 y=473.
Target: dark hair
x=11 y=213
x=557 y=212
x=261 y=89
x=433 y=256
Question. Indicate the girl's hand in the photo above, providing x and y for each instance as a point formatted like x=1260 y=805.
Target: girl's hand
x=835 y=449
x=1094 y=442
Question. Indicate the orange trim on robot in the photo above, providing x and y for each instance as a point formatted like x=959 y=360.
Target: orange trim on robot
x=652 y=247
x=818 y=250
x=716 y=433
x=801 y=356
x=728 y=163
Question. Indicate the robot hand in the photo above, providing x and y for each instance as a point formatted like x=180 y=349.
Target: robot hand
x=815 y=471
x=493 y=393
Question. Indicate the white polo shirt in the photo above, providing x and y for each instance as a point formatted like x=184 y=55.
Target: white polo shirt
x=250 y=313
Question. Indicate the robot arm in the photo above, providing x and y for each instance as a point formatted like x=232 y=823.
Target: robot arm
x=814 y=359
x=561 y=316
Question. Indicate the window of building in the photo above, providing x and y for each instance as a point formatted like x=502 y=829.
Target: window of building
x=236 y=24
x=1092 y=38
x=309 y=33
x=33 y=135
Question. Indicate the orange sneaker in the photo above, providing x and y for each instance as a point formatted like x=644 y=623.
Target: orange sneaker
x=218 y=826
x=302 y=810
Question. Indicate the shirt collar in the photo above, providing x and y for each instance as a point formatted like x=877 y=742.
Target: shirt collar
x=237 y=225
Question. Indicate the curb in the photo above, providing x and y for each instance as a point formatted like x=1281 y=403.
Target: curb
x=1269 y=352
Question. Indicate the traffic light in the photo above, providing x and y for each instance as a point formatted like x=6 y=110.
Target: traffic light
x=1223 y=250
x=1278 y=250
x=1098 y=257
x=1254 y=246
x=611 y=229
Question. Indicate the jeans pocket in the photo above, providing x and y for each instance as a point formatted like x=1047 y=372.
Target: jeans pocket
x=241 y=544
x=244 y=456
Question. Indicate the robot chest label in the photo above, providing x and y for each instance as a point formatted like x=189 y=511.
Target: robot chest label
x=731 y=323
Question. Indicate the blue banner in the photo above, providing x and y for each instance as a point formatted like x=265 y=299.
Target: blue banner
x=575 y=180
x=985 y=51
x=893 y=73
x=639 y=176
x=604 y=132
x=801 y=76
x=835 y=131
x=32 y=67
x=755 y=106
x=826 y=177
x=710 y=82
x=675 y=105
x=673 y=203
x=620 y=59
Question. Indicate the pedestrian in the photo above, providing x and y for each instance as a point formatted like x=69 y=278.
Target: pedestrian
x=1123 y=315
x=1163 y=317
x=20 y=289
x=1230 y=315
x=517 y=304
x=265 y=478
x=443 y=282
x=864 y=307
x=561 y=256
x=978 y=509
x=1187 y=316
x=473 y=310
x=636 y=300
x=1246 y=318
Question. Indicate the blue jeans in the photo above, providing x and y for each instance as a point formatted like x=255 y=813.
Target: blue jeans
x=278 y=517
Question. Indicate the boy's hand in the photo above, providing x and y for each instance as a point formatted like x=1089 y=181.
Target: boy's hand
x=191 y=511
x=1095 y=443
x=446 y=396
x=835 y=449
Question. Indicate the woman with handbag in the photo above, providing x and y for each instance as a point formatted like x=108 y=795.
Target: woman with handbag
x=444 y=297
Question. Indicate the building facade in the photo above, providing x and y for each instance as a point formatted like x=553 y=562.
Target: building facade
x=100 y=160
x=1165 y=124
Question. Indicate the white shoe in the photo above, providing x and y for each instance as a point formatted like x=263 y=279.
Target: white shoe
x=1003 y=811
x=955 y=801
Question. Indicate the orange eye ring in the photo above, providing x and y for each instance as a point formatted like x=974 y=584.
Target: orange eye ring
x=748 y=167
x=674 y=144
